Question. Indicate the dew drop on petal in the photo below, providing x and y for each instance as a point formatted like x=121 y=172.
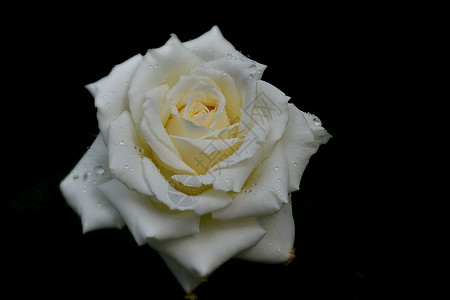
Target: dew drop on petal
x=122 y=143
x=276 y=168
x=278 y=180
x=295 y=164
x=317 y=121
x=99 y=170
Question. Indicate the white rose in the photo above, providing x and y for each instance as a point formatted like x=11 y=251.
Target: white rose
x=197 y=156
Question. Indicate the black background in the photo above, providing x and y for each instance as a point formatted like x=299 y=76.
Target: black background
x=329 y=60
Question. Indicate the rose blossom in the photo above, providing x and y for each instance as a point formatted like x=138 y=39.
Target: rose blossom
x=197 y=156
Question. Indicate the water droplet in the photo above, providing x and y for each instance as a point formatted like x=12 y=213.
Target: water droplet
x=99 y=170
x=131 y=169
x=100 y=204
x=278 y=180
x=156 y=66
x=271 y=189
x=279 y=249
x=267 y=226
x=220 y=172
x=279 y=191
x=122 y=143
x=126 y=167
x=88 y=173
x=276 y=168
x=295 y=164
x=227 y=180
x=112 y=93
x=270 y=243
x=317 y=121
x=75 y=177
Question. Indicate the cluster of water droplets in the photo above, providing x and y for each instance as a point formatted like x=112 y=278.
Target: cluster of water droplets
x=89 y=176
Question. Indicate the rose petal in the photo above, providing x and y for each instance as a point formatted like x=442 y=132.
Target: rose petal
x=227 y=86
x=300 y=143
x=157 y=137
x=126 y=153
x=202 y=253
x=320 y=134
x=80 y=189
x=163 y=191
x=144 y=219
x=159 y=66
x=276 y=245
x=201 y=155
x=187 y=281
x=210 y=201
x=178 y=126
x=271 y=111
x=265 y=191
x=211 y=45
x=111 y=93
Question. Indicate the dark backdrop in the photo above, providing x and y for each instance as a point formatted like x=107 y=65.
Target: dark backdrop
x=327 y=59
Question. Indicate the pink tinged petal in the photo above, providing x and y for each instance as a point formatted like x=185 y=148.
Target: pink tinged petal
x=187 y=281
x=126 y=153
x=156 y=135
x=276 y=245
x=111 y=93
x=144 y=219
x=300 y=144
x=158 y=67
x=202 y=253
x=211 y=45
x=80 y=188
x=264 y=193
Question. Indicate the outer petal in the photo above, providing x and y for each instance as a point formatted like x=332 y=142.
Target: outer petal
x=80 y=188
x=144 y=219
x=276 y=245
x=300 y=142
x=264 y=193
x=202 y=253
x=111 y=93
x=126 y=153
x=211 y=45
x=187 y=281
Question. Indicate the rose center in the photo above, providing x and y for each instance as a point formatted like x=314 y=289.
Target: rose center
x=202 y=111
